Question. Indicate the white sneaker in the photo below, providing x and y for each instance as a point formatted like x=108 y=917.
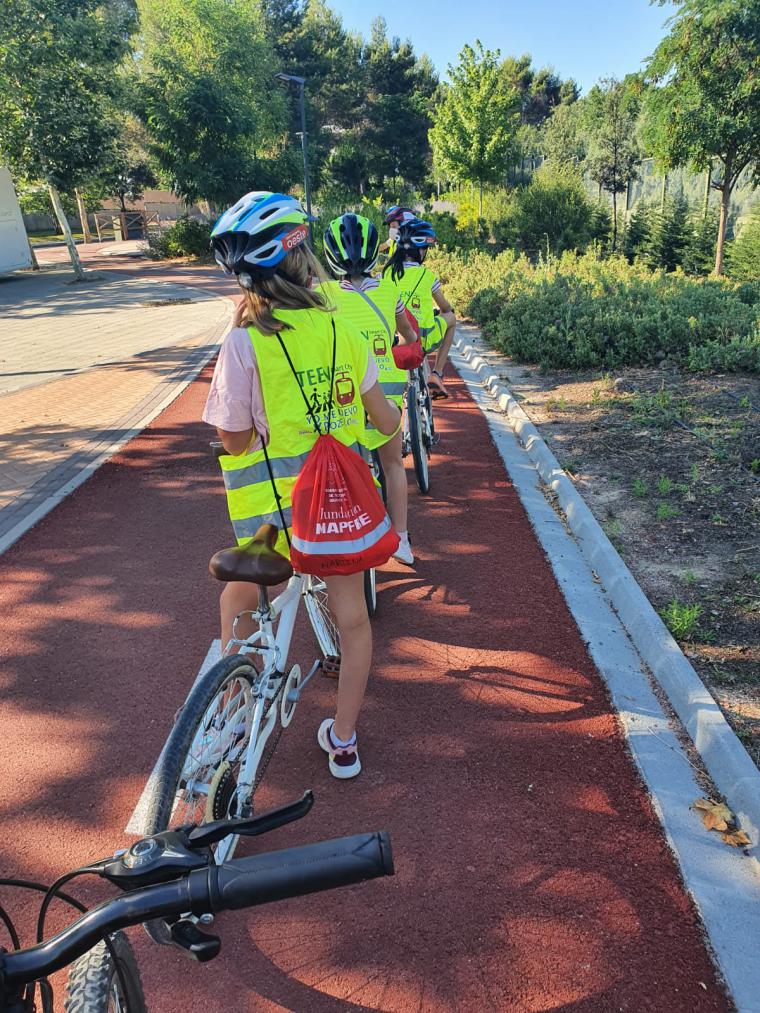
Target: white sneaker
x=404 y=552
x=343 y=760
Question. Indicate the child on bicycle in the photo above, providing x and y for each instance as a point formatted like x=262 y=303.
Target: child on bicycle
x=373 y=308
x=394 y=216
x=420 y=289
x=261 y=240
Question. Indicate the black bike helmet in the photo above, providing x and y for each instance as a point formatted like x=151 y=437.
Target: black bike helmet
x=351 y=245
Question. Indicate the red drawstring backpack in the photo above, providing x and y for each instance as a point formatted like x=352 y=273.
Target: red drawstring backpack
x=340 y=524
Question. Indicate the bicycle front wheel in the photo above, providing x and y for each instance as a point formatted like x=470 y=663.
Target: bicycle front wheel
x=321 y=619
x=417 y=440
x=99 y=984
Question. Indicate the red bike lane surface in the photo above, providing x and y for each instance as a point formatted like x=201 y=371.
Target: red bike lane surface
x=532 y=874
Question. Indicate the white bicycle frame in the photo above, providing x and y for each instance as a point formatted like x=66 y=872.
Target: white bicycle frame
x=273 y=648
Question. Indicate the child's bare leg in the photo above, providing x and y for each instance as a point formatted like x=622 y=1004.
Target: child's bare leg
x=395 y=481
x=237 y=597
x=347 y=604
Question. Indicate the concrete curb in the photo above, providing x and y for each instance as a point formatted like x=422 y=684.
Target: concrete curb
x=98 y=453
x=726 y=760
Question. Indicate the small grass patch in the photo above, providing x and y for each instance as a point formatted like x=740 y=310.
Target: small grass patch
x=664 y=485
x=689 y=578
x=666 y=512
x=681 y=619
x=640 y=488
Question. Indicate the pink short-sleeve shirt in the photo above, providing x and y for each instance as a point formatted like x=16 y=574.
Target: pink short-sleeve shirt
x=235 y=401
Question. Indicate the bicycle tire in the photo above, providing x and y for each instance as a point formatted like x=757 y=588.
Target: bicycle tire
x=370 y=591
x=379 y=474
x=417 y=441
x=167 y=777
x=320 y=617
x=92 y=979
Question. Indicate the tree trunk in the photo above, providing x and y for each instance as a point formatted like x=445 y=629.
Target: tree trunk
x=664 y=191
x=614 y=220
x=706 y=205
x=480 y=198
x=60 y=214
x=33 y=255
x=86 y=234
x=725 y=197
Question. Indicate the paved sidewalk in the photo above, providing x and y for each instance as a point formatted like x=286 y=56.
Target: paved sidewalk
x=82 y=366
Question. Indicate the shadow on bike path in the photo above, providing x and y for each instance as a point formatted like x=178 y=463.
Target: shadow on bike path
x=531 y=871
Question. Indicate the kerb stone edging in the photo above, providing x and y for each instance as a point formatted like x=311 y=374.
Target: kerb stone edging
x=726 y=760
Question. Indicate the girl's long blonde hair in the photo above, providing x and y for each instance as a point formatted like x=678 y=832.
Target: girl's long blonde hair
x=293 y=292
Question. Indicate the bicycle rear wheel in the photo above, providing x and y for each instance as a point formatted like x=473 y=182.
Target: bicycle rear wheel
x=418 y=439
x=94 y=984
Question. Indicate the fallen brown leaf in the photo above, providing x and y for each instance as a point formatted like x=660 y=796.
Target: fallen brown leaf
x=736 y=838
x=715 y=815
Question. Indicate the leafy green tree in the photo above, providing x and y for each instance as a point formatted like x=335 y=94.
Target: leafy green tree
x=309 y=40
x=552 y=214
x=601 y=225
x=563 y=140
x=540 y=91
x=612 y=109
x=744 y=251
x=668 y=233
x=58 y=86
x=705 y=107
x=476 y=121
x=396 y=113
x=214 y=114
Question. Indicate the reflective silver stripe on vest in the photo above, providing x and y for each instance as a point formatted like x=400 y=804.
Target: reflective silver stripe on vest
x=393 y=387
x=342 y=548
x=424 y=331
x=247 y=527
x=252 y=474
x=282 y=467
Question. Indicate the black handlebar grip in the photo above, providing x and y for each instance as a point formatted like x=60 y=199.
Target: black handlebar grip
x=298 y=871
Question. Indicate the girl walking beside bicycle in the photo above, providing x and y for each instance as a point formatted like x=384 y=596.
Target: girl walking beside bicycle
x=420 y=290
x=290 y=339
x=373 y=308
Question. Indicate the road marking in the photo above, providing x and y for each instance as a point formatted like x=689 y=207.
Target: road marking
x=136 y=823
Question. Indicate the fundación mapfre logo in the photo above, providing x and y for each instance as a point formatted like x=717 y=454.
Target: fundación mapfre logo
x=295 y=237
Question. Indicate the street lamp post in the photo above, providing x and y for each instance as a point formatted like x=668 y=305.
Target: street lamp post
x=301 y=82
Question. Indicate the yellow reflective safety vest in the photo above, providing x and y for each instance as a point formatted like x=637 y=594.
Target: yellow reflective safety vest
x=373 y=315
x=250 y=497
x=416 y=291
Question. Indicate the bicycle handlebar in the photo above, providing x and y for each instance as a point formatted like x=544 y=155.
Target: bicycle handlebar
x=245 y=882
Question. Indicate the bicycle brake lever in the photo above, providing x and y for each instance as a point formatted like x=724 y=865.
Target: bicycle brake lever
x=210 y=833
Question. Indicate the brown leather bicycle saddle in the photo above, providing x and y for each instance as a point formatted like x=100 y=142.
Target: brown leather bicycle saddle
x=255 y=563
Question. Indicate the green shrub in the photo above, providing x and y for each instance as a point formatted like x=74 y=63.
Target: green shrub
x=552 y=214
x=187 y=237
x=580 y=312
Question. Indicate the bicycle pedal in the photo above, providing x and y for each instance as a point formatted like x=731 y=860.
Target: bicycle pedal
x=331 y=667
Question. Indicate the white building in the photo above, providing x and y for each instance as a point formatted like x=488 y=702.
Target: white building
x=14 y=246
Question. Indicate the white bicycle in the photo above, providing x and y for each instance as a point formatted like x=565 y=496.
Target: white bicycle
x=219 y=748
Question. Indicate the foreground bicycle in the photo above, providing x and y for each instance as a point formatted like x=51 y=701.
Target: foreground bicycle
x=172 y=877
x=216 y=754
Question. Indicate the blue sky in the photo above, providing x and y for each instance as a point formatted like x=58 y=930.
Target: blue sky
x=584 y=39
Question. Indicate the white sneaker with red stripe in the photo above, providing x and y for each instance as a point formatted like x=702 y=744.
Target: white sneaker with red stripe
x=343 y=760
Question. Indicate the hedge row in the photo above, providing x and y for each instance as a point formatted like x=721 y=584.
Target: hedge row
x=580 y=312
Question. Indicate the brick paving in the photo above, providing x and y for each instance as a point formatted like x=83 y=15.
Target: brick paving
x=82 y=365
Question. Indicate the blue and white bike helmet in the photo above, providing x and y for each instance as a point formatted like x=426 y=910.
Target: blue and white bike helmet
x=255 y=235
x=414 y=234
